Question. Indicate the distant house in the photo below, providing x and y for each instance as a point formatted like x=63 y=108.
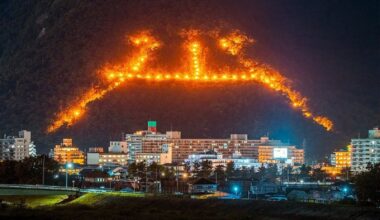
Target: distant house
x=95 y=178
x=202 y=186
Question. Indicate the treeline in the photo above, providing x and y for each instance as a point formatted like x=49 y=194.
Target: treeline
x=28 y=171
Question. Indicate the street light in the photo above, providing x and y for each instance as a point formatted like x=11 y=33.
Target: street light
x=236 y=189
x=68 y=166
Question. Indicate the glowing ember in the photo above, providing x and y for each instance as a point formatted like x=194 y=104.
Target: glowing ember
x=233 y=44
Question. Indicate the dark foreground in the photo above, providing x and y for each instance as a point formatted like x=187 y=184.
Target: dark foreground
x=173 y=208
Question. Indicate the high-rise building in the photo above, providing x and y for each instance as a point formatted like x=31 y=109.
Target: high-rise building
x=17 y=148
x=66 y=152
x=365 y=151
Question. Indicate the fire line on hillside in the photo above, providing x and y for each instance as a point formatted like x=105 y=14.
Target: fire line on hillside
x=195 y=70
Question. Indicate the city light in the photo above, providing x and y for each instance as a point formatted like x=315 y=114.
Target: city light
x=236 y=189
x=195 y=69
x=69 y=165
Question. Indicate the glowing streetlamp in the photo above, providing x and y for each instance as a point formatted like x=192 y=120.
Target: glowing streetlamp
x=68 y=166
x=236 y=189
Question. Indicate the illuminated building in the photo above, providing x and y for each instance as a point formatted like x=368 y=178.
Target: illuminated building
x=341 y=158
x=96 y=150
x=365 y=151
x=133 y=143
x=66 y=152
x=262 y=149
x=17 y=148
x=332 y=170
x=285 y=154
x=118 y=147
x=109 y=159
x=165 y=157
x=217 y=160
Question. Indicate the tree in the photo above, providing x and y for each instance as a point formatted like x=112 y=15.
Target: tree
x=319 y=175
x=29 y=171
x=304 y=171
x=154 y=170
x=137 y=169
x=286 y=174
x=271 y=173
x=368 y=185
x=230 y=169
x=196 y=168
x=206 y=169
x=346 y=173
x=219 y=173
x=187 y=167
x=261 y=173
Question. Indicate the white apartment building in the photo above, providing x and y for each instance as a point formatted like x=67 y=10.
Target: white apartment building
x=118 y=147
x=111 y=159
x=17 y=148
x=165 y=157
x=365 y=151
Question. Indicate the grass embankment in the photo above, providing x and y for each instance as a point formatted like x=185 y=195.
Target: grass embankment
x=133 y=206
x=97 y=199
x=34 y=201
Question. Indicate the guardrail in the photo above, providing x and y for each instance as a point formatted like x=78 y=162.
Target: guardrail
x=38 y=187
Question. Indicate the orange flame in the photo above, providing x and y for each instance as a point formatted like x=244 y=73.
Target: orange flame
x=233 y=44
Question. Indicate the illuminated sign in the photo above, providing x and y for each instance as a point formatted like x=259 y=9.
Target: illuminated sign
x=280 y=153
x=152 y=123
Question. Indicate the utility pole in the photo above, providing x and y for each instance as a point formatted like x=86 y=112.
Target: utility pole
x=43 y=169
x=146 y=180
x=177 y=177
x=288 y=174
x=66 y=175
x=216 y=180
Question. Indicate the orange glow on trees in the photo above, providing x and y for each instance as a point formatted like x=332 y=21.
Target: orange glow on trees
x=145 y=44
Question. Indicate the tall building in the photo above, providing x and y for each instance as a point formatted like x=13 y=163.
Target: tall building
x=365 y=151
x=17 y=148
x=66 y=152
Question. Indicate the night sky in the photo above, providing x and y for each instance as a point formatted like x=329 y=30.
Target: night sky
x=50 y=52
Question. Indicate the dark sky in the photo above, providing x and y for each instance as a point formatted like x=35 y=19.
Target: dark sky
x=329 y=49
